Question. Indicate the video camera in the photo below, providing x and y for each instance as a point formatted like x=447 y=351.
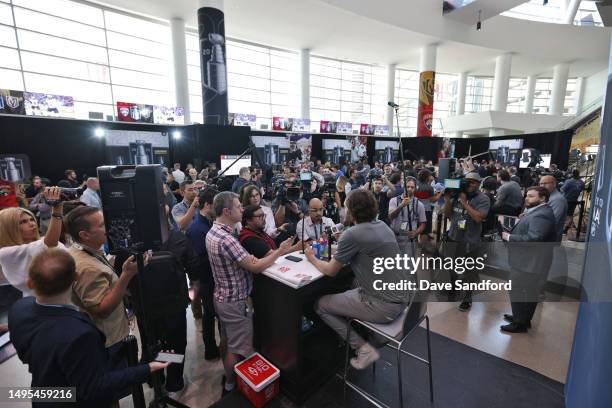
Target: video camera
x=375 y=174
x=285 y=194
x=455 y=186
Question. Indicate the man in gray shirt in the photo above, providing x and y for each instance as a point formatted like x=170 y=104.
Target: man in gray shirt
x=509 y=199
x=360 y=247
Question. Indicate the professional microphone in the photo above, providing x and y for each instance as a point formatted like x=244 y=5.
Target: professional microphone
x=393 y=104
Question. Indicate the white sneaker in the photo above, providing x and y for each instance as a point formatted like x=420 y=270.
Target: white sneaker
x=366 y=355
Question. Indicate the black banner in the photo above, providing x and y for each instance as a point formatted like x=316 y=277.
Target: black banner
x=211 y=30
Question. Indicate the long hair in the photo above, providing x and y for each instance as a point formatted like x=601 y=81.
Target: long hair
x=341 y=183
x=9 y=226
x=246 y=194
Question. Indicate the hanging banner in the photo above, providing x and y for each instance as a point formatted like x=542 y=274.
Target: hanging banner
x=283 y=124
x=426 y=102
x=241 y=119
x=11 y=102
x=366 y=129
x=134 y=112
x=300 y=125
x=167 y=115
x=39 y=104
x=590 y=369
x=211 y=31
x=381 y=130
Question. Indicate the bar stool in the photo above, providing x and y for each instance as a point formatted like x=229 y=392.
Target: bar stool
x=396 y=333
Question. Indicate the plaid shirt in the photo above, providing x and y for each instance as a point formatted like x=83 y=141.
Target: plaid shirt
x=232 y=283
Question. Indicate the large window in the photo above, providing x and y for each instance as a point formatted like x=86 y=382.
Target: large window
x=478 y=94
x=517 y=93
x=347 y=92
x=262 y=81
x=407 y=96
x=95 y=55
x=552 y=11
x=445 y=100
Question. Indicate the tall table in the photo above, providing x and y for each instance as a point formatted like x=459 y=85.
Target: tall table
x=283 y=295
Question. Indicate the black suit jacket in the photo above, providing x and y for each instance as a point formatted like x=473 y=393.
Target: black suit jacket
x=63 y=348
x=531 y=241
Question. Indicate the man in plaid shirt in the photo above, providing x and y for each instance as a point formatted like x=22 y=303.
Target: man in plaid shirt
x=232 y=267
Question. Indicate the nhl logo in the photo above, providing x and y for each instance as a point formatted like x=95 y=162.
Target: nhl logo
x=12 y=102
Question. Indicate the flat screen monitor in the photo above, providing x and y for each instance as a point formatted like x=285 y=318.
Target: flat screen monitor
x=545 y=160
x=508 y=143
x=227 y=159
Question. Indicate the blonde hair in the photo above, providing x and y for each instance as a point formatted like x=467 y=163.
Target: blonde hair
x=340 y=183
x=9 y=226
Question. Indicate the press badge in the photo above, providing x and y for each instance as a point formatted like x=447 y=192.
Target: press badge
x=404 y=226
x=461 y=224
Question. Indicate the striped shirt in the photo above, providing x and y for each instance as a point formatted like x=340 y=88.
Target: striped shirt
x=232 y=283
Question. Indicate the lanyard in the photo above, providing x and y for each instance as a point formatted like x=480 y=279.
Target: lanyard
x=410 y=212
x=320 y=230
x=98 y=257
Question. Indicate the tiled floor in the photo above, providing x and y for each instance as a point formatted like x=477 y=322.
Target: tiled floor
x=544 y=349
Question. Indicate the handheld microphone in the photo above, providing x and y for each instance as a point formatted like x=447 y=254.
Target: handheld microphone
x=393 y=104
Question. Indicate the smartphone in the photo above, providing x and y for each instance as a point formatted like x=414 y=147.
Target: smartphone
x=170 y=358
x=293 y=258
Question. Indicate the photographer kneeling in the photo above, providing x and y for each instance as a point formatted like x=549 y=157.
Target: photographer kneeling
x=358 y=247
x=466 y=210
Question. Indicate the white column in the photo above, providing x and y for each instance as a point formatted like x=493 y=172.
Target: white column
x=531 y=83
x=179 y=58
x=579 y=95
x=570 y=11
x=391 y=98
x=501 y=82
x=218 y=4
x=563 y=9
x=428 y=57
x=460 y=106
x=559 y=86
x=305 y=84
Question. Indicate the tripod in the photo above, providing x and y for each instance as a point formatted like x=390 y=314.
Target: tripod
x=149 y=346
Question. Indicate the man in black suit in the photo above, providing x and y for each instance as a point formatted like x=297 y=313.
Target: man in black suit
x=62 y=346
x=530 y=249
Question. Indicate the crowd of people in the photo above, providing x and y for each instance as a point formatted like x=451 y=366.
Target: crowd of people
x=70 y=325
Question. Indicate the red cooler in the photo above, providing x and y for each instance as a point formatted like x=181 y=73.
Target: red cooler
x=257 y=379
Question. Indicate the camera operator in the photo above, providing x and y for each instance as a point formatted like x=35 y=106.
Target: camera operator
x=407 y=217
x=377 y=183
x=312 y=226
x=529 y=261
x=466 y=211
x=509 y=200
x=184 y=212
x=288 y=206
x=571 y=190
x=62 y=347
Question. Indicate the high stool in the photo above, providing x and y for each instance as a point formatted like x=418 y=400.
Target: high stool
x=396 y=333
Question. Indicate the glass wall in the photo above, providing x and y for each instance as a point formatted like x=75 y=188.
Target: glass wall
x=445 y=100
x=93 y=54
x=478 y=94
x=347 y=92
x=407 y=96
x=262 y=81
x=517 y=93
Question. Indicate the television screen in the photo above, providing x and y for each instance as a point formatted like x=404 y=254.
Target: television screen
x=227 y=159
x=509 y=143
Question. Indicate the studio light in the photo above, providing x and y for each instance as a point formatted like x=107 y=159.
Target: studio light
x=99 y=132
x=176 y=134
x=479 y=23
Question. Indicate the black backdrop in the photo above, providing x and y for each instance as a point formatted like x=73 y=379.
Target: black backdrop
x=56 y=144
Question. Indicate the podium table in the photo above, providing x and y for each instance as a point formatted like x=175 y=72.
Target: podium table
x=282 y=296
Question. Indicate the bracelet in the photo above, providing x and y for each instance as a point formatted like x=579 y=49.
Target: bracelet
x=58 y=216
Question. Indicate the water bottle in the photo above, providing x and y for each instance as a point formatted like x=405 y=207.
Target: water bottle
x=316 y=247
x=324 y=247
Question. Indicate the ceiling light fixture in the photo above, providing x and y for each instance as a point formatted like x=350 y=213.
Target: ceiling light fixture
x=479 y=23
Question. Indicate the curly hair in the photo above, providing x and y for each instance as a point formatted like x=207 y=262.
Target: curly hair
x=362 y=205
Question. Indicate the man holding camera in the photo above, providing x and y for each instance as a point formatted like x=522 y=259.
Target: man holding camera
x=466 y=210
x=377 y=184
x=407 y=217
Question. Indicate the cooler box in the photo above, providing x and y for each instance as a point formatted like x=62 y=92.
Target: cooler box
x=257 y=379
